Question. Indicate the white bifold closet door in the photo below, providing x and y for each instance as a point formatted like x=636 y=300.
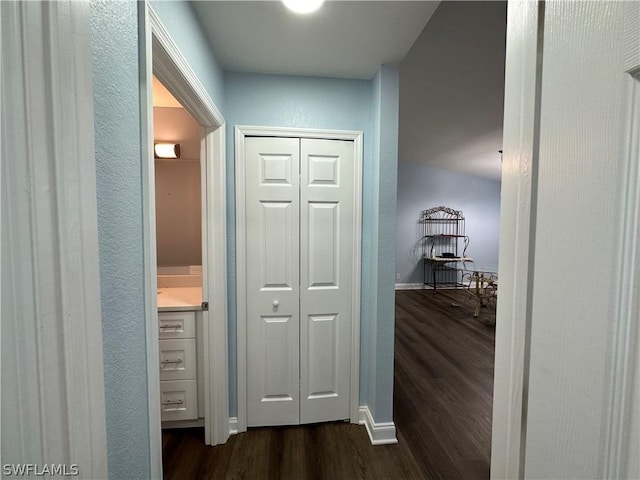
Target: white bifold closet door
x=299 y=279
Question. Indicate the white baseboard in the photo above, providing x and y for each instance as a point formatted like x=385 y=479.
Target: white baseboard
x=233 y=425
x=410 y=286
x=420 y=286
x=183 y=424
x=383 y=433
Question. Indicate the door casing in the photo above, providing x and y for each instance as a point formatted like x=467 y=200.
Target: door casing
x=241 y=341
x=160 y=56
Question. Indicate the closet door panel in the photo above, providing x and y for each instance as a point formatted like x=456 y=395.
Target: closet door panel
x=326 y=278
x=272 y=280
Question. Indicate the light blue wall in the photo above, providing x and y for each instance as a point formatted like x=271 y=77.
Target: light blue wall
x=289 y=101
x=265 y=100
x=119 y=193
x=385 y=94
x=368 y=106
x=421 y=187
x=118 y=177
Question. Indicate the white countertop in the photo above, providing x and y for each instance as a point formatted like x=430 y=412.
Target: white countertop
x=179 y=298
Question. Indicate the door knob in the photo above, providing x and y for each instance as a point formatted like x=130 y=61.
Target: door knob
x=276 y=304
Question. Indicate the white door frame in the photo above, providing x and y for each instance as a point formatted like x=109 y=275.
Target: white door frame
x=51 y=313
x=162 y=57
x=517 y=228
x=525 y=34
x=241 y=132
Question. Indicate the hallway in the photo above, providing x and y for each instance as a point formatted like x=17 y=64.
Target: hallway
x=443 y=390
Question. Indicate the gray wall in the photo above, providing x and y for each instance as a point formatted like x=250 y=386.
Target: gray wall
x=452 y=94
x=421 y=187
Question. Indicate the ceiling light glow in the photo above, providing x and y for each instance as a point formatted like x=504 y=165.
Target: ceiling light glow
x=303 y=6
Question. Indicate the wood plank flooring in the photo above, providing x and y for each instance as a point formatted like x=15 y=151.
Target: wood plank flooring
x=442 y=407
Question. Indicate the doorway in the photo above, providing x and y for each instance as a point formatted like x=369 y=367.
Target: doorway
x=180 y=200
x=449 y=205
x=163 y=59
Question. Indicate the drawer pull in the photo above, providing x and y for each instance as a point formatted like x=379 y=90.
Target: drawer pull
x=173 y=402
x=164 y=362
x=170 y=326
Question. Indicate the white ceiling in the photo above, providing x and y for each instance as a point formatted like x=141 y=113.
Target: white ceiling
x=451 y=79
x=343 y=39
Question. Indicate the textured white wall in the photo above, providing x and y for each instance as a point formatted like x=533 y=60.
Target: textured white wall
x=580 y=178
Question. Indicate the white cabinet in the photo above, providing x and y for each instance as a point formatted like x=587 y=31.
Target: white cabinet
x=178 y=359
x=180 y=365
x=178 y=400
x=177 y=325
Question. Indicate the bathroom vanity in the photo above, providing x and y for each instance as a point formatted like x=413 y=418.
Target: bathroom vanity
x=181 y=356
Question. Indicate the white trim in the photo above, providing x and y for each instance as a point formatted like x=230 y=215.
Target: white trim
x=174 y=72
x=215 y=277
x=517 y=227
x=233 y=425
x=148 y=233
x=164 y=59
x=422 y=286
x=241 y=297
x=411 y=286
x=357 y=278
x=1 y=263
x=183 y=424
x=383 y=433
x=52 y=309
x=241 y=131
x=625 y=347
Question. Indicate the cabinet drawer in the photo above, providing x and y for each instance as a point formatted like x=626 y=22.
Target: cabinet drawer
x=178 y=400
x=177 y=324
x=178 y=359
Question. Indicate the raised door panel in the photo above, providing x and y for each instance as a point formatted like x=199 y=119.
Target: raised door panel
x=272 y=280
x=326 y=278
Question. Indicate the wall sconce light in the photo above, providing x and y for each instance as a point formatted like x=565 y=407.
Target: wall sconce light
x=166 y=150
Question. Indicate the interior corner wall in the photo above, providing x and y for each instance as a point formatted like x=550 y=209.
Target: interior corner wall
x=300 y=102
x=421 y=187
x=381 y=305
x=182 y=23
x=116 y=93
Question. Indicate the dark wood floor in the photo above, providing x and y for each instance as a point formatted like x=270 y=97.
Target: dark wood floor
x=442 y=408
